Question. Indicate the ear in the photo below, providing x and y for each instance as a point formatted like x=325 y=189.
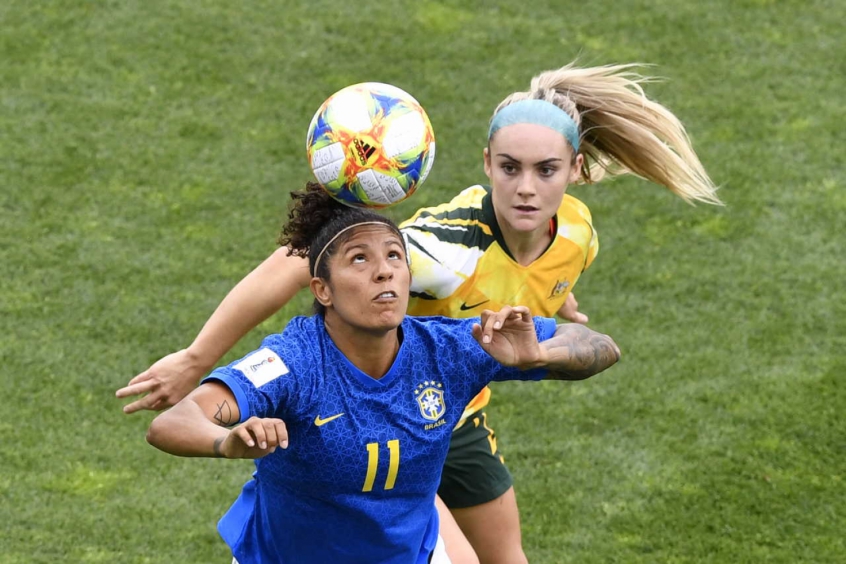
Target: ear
x=486 y=154
x=576 y=170
x=321 y=291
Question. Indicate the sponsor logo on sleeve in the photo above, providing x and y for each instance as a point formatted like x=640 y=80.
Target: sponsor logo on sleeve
x=262 y=366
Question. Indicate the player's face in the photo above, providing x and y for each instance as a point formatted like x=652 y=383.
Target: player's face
x=369 y=284
x=529 y=167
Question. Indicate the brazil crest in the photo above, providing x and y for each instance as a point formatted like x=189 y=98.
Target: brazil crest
x=430 y=401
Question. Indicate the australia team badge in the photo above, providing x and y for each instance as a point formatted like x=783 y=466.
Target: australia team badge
x=560 y=288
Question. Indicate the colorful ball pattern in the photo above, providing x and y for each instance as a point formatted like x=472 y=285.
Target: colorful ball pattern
x=370 y=145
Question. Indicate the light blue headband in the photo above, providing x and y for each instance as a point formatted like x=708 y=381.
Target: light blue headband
x=538 y=112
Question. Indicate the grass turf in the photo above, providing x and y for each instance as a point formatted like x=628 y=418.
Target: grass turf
x=146 y=150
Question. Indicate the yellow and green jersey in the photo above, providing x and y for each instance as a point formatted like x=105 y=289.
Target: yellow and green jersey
x=460 y=264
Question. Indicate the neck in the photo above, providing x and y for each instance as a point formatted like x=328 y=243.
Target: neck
x=526 y=247
x=372 y=352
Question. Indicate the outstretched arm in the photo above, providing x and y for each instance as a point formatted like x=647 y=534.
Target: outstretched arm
x=196 y=427
x=255 y=298
x=574 y=352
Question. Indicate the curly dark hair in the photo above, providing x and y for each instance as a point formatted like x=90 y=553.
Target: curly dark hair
x=314 y=218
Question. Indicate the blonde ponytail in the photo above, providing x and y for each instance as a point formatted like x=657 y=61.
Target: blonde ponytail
x=621 y=130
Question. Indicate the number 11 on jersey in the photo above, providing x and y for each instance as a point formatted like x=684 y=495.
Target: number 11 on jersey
x=373 y=465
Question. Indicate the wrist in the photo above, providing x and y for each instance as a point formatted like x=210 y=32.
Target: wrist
x=541 y=361
x=217 y=447
x=199 y=359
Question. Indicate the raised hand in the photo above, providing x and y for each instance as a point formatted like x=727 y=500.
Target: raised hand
x=165 y=382
x=509 y=336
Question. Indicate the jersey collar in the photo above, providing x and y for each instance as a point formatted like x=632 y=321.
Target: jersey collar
x=393 y=372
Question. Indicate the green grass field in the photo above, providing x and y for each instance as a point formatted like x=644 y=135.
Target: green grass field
x=146 y=152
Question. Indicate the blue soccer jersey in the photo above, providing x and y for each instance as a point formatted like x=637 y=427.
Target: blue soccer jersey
x=357 y=482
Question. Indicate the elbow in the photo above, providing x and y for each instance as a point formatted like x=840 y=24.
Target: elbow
x=606 y=355
x=609 y=355
x=156 y=431
x=616 y=349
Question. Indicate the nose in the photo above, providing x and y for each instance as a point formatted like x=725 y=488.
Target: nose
x=526 y=185
x=384 y=271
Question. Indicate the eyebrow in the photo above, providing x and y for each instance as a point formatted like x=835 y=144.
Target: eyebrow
x=545 y=161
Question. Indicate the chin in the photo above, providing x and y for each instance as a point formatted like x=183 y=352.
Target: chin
x=393 y=321
x=527 y=225
x=384 y=321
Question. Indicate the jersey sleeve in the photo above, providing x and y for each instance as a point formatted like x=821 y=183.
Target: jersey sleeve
x=592 y=243
x=432 y=276
x=576 y=225
x=262 y=382
x=593 y=247
x=444 y=244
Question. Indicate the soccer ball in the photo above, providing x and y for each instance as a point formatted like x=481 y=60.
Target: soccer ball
x=370 y=145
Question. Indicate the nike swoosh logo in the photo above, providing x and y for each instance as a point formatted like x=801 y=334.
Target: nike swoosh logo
x=465 y=307
x=320 y=422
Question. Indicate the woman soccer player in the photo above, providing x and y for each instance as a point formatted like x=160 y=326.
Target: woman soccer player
x=361 y=398
x=522 y=240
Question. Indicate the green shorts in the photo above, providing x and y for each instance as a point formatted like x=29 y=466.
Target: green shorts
x=474 y=471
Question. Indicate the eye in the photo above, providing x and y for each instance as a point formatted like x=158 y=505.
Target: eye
x=395 y=255
x=359 y=258
x=508 y=168
x=548 y=170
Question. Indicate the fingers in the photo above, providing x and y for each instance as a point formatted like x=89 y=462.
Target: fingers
x=570 y=310
x=276 y=432
x=494 y=321
x=152 y=402
x=281 y=432
x=156 y=400
x=264 y=434
x=579 y=317
x=524 y=313
x=259 y=437
x=477 y=333
x=141 y=384
x=139 y=405
x=136 y=388
x=140 y=377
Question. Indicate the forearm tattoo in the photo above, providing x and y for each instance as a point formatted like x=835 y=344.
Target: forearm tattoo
x=223 y=416
x=577 y=353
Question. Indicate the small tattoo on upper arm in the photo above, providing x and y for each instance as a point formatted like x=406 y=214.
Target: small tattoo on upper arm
x=223 y=415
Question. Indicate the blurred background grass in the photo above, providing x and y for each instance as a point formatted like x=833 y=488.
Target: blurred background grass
x=146 y=153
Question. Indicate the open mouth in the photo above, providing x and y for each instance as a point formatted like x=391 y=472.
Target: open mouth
x=389 y=295
x=526 y=208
